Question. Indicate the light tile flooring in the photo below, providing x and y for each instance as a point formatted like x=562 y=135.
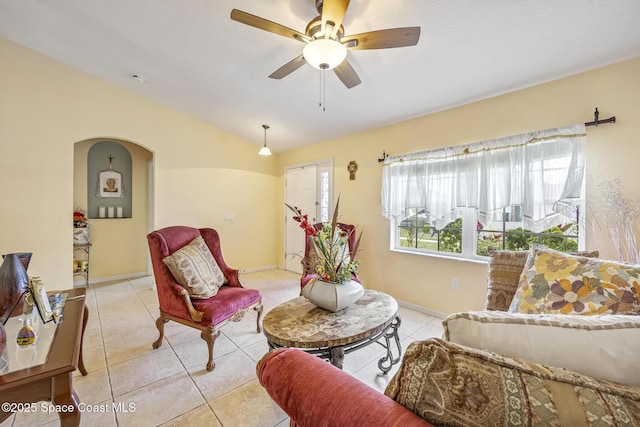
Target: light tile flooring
x=170 y=386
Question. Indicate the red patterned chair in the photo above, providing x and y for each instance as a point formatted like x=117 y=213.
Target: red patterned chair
x=230 y=303
x=309 y=261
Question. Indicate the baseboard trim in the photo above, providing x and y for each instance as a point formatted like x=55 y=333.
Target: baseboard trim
x=422 y=309
x=94 y=280
x=255 y=270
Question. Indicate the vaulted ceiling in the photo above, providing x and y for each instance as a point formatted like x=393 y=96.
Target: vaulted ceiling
x=197 y=60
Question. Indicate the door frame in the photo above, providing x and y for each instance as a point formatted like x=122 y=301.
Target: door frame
x=321 y=165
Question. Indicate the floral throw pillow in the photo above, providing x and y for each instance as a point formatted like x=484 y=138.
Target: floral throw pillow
x=555 y=282
x=505 y=269
x=195 y=269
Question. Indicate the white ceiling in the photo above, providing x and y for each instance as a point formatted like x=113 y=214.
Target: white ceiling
x=197 y=60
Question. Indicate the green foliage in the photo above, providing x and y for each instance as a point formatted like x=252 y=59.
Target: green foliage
x=518 y=241
x=559 y=242
x=553 y=238
x=482 y=246
x=451 y=237
x=413 y=230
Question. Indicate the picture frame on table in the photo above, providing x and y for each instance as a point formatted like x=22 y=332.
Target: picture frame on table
x=41 y=300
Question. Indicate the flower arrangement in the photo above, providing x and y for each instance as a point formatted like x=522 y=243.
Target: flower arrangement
x=80 y=219
x=336 y=263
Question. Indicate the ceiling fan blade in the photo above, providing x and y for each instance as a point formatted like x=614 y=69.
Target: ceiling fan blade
x=347 y=74
x=265 y=24
x=333 y=11
x=288 y=68
x=383 y=39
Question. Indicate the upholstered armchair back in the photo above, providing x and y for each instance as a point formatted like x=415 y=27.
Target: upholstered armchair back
x=163 y=243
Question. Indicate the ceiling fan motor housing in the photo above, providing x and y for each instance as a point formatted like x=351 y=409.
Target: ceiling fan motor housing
x=314 y=29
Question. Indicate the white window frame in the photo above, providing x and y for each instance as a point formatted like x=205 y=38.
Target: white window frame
x=409 y=187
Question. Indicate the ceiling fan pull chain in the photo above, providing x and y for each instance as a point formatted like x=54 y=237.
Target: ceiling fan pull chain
x=320 y=89
x=324 y=90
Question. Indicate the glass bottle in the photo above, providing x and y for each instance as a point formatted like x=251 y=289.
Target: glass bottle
x=26 y=335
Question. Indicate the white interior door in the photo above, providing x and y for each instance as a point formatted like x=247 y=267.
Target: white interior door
x=300 y=191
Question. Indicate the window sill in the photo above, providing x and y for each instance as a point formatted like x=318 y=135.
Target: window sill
x=482 y=260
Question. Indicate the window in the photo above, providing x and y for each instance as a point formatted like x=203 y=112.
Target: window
x=324 y=195
x=504 y=193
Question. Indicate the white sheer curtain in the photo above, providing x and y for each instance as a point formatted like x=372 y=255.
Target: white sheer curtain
x=543 y=171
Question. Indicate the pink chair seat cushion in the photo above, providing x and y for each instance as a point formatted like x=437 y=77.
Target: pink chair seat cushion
x=226 y=303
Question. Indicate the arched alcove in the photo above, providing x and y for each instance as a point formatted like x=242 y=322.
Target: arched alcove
x=109 y=181
x=118 y=245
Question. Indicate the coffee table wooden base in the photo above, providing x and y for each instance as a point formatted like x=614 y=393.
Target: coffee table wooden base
x=371 y=319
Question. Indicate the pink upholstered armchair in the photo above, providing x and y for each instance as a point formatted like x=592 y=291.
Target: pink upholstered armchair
x=207 y=315
x=309 y=261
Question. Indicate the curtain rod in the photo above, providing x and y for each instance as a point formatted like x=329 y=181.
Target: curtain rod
x=596 y=121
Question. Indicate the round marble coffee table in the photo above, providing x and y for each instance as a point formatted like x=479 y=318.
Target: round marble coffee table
x=373 y=317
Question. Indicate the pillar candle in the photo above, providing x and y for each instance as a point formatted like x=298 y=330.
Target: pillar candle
x=110 y=210
x=119 y=211
x=101 y=212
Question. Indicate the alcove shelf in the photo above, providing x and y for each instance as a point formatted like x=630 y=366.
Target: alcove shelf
x=79 y=268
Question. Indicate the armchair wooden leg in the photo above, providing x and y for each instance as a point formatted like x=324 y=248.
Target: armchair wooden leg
x=209 y=335
x=258 y=308
x=160 y=325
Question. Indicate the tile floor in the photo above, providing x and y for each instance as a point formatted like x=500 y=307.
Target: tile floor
x=170 y=386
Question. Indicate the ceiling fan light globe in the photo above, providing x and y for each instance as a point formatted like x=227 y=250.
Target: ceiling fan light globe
x=324 y=54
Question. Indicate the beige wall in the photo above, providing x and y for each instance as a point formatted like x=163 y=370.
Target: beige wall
x=613 y=152
x=201 y=173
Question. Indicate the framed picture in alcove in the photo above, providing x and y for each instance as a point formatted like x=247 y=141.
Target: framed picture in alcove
x=110 y=184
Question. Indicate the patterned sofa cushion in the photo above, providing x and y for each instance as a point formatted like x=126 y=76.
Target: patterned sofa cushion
x=449 y=384
x=555 y=282
x=594 y=341
x=195 y=269
x=505 y=268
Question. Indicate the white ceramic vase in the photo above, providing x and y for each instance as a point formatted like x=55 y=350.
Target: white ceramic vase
x=332 y=296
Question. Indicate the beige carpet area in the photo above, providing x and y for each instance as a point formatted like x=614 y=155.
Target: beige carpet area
x=170 y=386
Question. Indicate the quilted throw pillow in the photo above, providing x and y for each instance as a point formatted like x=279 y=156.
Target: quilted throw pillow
x=555 y=282
x=195 y=269
x=453 y=385
x=505 y=268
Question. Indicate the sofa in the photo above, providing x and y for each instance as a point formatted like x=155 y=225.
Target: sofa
x=529 y=358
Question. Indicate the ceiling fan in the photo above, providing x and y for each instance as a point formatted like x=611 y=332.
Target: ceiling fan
x=325 y=43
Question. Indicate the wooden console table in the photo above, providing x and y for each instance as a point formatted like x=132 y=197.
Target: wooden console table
x=52 y=381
